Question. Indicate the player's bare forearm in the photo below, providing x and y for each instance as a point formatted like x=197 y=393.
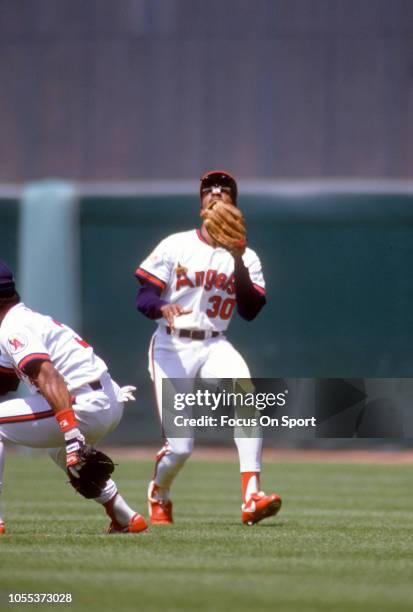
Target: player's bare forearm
x=51 y=385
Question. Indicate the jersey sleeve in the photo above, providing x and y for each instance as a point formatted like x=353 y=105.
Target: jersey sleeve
x=253 y=264
x=23 y=347
x=157 y=267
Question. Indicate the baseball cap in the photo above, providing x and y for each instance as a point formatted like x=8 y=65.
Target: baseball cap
x=6 y=279
x=221 y=178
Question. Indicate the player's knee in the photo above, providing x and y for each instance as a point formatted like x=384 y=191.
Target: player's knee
x=181 y=448
x=180 y=454
x=175 y=462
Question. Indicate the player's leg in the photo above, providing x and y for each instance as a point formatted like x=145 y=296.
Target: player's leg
x=224 y=361
x=2 y=461
x=26 y=424
x=124 y=519
x=169 y=358
x=98 y=413
x=31 y=422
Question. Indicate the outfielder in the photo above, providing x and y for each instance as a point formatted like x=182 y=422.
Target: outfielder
x=191 y=284
x=74 y=402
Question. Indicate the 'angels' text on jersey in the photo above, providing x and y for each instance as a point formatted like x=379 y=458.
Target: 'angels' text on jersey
x=199 y=277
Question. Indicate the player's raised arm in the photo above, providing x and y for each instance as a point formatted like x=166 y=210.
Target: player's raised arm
x=224 y=226
x=250 y=298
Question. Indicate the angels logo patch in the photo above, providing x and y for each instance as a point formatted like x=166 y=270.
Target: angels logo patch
x=155 y=258
x=17 y=343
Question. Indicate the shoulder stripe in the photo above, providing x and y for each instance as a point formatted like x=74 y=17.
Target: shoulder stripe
x=32 y=357
x=141 y=273
x=200 y=236
x=260 y=290
x=5 y=370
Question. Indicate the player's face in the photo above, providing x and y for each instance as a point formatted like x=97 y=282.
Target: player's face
x=215 y=192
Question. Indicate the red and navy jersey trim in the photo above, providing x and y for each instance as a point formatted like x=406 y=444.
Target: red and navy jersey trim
x=200 y=236
x=32 y=357
x=33 y=416
x=260 y=290
x=147 y=276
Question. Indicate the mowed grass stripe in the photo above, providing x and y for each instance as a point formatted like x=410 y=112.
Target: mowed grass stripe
x=342 y=540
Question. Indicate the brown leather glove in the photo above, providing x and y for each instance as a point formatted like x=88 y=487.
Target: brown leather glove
x=225 y=224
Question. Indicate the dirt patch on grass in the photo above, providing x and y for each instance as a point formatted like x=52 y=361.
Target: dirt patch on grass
x=294 y=455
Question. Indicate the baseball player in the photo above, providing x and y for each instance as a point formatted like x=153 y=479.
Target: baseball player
x=191 y=284
x=73 y=402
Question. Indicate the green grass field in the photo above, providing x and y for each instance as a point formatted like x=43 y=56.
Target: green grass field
x=342 y=541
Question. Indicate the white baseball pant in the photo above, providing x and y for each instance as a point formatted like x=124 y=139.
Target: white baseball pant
x=173 y=357
x=31 y=422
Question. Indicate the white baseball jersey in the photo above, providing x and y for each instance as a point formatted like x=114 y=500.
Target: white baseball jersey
x=200 y=277
x=26 y=335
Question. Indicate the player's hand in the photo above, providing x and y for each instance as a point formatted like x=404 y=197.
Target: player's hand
x=170 y=311
x=126 y=394
x=75 y=445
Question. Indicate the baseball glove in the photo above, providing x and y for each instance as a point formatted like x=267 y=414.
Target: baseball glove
x=226 y=225
x=93 y=474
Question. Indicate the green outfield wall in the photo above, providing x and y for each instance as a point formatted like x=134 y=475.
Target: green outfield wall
x=8 y=230
x=338 y=273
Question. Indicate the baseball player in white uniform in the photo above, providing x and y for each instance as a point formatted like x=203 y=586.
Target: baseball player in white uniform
x=192 y=287
x=73 y=399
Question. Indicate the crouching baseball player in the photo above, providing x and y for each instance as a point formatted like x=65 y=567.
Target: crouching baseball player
x=74 y=402
x=191 y=284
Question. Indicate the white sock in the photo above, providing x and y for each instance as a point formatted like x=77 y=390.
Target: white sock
x=157 y=492
x=108 y=492
x=118 y=510
x=252 y=487
x=167 y=468
x=249 y=452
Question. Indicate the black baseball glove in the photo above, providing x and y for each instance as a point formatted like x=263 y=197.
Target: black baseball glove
x=95 y=469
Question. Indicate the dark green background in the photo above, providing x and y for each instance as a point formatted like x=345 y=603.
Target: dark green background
x=337 y=267
x=8 y=231
x=338 y=273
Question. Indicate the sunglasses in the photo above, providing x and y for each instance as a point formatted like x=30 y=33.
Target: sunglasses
x=217 y=186
x=224 y=182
